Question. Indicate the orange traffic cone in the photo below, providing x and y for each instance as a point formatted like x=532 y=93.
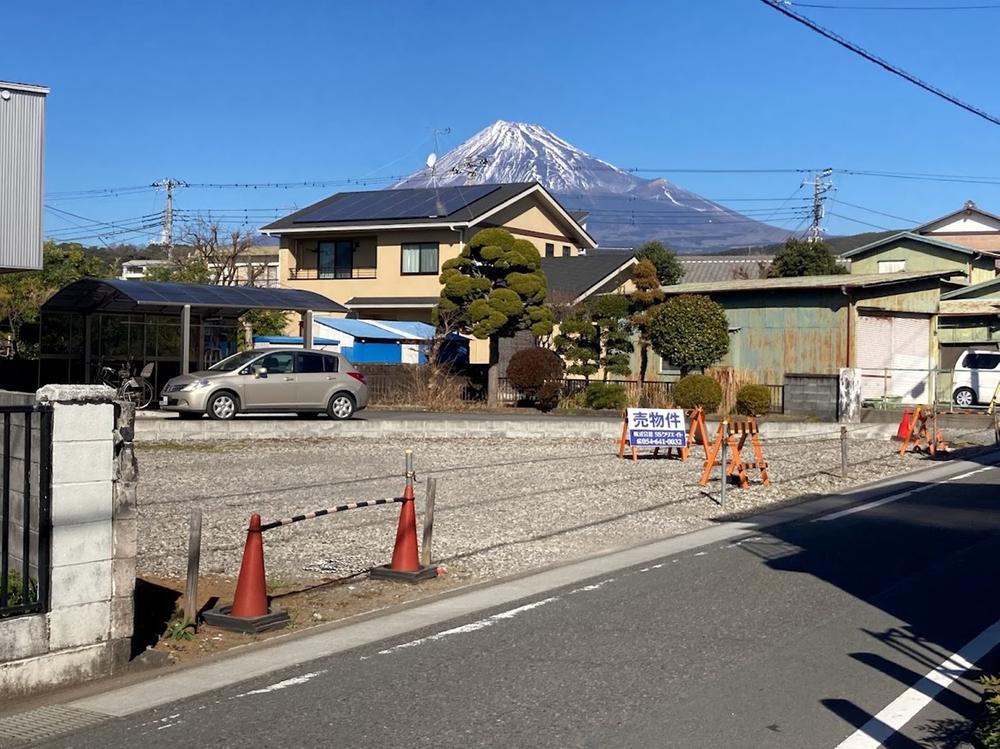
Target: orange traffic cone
x=251 y=586
x=249 y=612
x=405 y=557
x=903 y=432
x=405 y=563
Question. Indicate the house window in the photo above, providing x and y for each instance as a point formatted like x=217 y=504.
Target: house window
x=666 y=368
x=420 y=258
x=891 y=266
x=336 y=259
x=565 y=250
x=550 y=249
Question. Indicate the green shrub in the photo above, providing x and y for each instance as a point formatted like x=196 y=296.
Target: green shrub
x=753 y=400
x=529 y=368
x=604 y=395
x=548 y=396
x=988 y=730
x=698 y=390
x=15 y=590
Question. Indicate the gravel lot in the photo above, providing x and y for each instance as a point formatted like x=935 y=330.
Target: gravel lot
x=503 y=505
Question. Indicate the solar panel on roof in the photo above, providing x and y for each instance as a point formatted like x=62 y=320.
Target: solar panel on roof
x=397 y=204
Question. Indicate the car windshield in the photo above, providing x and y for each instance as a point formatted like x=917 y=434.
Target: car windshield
x=234 y=362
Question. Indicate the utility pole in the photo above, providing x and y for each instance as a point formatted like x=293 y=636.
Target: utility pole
x=167 y=235
x=820 y=188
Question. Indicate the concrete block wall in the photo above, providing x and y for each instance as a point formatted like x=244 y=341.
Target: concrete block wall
x=87 y=630
x=812 y=395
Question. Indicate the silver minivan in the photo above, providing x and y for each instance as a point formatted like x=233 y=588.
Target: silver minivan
x=306 y=382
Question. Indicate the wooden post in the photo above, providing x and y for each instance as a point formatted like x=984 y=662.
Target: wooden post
x=425 y=552
x=194 y=561
x=724 y=478
x=843 y=451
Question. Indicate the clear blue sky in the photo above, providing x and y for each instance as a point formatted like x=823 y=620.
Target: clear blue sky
x=255 y=91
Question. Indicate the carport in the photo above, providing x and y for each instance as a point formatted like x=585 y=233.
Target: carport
x=110 y=321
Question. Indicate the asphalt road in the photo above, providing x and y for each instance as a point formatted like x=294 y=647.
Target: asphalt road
x=793 y=638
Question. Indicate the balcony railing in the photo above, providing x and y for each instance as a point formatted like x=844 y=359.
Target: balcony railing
x=312 y=274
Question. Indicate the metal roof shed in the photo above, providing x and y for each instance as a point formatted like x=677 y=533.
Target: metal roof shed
x=95 y=295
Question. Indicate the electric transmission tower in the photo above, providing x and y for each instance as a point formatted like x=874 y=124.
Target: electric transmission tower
x=821 y=186
x=167 y=235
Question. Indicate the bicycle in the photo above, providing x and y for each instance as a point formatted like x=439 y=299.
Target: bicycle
x=137 y=389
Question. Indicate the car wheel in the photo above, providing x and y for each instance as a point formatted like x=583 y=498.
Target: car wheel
x=223 y=406
x=341 y=406
x=964 y=397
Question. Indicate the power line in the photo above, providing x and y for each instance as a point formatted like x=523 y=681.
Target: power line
x=872 y=210
x=778 y=6
x=859 y=221
x=894 y=7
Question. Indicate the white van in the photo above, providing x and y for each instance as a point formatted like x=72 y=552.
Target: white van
x=976 y=376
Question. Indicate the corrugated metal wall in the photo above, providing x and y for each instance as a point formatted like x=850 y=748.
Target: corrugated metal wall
x=22 y=133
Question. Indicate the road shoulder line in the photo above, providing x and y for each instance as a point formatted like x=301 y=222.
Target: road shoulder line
x=282 y=653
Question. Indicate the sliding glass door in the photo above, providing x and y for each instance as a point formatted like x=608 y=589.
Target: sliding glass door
x=336 y=259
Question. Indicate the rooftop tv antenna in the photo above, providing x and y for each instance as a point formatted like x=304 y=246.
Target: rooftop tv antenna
x=432 y=158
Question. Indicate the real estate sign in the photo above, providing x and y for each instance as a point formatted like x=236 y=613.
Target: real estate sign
x=656 y=427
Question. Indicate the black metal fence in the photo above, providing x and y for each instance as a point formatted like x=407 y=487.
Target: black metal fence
x=25 y=509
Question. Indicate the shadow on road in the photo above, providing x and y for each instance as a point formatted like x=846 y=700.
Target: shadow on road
x=923 y=561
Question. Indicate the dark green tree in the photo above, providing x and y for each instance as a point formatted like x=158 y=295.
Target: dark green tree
x=495 y=288
x=668 y=267
x=643 y=302
x=689 y=331
x=23 y=294
x=610 y=315
x=798 y=258
x=579 y=343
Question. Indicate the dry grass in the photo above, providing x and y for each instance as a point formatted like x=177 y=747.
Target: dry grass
x=731 y=381
x=426 y=387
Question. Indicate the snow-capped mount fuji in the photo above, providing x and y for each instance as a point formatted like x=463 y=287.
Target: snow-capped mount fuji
x=625 y=209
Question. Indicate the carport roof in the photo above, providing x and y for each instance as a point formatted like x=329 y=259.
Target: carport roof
x=91 y=295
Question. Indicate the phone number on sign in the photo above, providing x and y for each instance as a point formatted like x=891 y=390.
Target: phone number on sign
x=657 y=439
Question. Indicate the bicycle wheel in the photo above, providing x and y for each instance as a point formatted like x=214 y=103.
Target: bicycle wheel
x=139 y=393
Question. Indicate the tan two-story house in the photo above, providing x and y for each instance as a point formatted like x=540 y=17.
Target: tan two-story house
x=379 y=253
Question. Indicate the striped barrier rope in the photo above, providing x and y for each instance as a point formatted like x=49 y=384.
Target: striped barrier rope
x=329 y=511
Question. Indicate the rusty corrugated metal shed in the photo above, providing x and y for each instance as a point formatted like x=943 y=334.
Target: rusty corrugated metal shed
x=22 y=137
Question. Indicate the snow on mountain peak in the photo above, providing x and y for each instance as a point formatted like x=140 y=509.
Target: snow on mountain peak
x=523 y=152
x=624 y=208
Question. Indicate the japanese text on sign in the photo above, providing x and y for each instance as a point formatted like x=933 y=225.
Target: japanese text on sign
x=656 y=427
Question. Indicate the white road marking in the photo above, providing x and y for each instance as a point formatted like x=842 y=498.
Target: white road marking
x=870 y=505
x=294 y=681
x=901 y=495
x=904 y=708
x=970 y=473
x=473 y=626
x=701 y=553
x=593 y=586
